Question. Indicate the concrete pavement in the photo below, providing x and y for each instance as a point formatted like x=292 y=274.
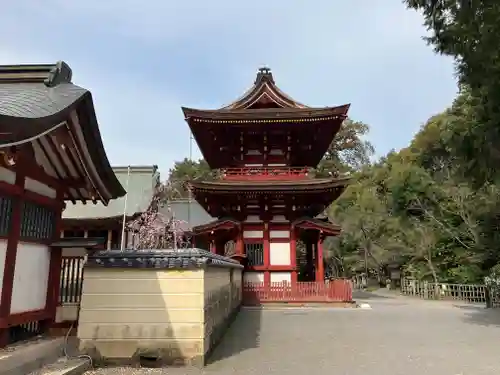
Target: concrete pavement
x=398 y=336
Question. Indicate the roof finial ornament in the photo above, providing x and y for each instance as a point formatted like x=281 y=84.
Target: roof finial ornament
x=60 y=73
x=264 y=73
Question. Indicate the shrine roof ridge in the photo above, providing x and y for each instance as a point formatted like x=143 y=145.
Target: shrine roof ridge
x=49 y=74
x=159 y=259
x=264 y=90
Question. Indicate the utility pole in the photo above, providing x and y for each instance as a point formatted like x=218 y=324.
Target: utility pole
x=189 y=190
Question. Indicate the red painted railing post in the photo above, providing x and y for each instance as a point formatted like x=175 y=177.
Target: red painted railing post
x=339 y=290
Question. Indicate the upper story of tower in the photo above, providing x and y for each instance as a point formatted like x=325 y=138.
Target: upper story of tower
x=265 y=129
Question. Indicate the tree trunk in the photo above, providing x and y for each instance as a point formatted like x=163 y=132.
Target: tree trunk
x=432 y=269
x=434 y=277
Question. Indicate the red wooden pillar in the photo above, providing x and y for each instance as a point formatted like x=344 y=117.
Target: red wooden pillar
x=309 y=257
x=293 y=254
x=54 y=280
x=240 y=249
x=10 y=261
x=320 y=268
x=267 y=253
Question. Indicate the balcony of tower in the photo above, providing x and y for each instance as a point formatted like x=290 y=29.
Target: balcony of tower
x=265 y=173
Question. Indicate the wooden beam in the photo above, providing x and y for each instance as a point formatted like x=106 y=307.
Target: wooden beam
x=54 y=167
x=10 y=257
x=52 y=298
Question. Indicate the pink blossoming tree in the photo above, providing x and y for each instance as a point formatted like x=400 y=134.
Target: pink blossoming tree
x=156 y=230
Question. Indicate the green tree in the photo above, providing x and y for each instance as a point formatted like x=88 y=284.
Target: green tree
x=348 y=152
x=185 y=171
x=469 y=31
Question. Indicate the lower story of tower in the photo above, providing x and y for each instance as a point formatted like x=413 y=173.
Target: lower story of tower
x=273 y=249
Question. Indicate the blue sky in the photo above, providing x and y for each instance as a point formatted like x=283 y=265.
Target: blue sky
x=144 y=59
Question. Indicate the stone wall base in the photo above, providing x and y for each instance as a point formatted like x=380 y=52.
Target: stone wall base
x=156 y=353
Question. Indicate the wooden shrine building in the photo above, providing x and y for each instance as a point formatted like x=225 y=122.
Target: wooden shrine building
x=265 y=143
x=51 y=151
x=106 y=221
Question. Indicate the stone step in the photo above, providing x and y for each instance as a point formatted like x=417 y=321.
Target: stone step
x=65 y=366
x=25 y=357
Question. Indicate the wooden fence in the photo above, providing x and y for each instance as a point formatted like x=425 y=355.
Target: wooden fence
x=70 y=289
x=471 y=293
x=329 y=291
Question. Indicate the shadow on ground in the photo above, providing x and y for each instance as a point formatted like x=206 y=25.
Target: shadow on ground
x=242 y=335
x=478 y=314
x=364 y=295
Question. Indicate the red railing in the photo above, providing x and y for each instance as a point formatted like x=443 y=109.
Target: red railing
x=265 y=173
x=329 y=291
x=70 y=290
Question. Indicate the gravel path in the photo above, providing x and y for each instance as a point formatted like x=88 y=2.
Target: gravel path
x=397 y=336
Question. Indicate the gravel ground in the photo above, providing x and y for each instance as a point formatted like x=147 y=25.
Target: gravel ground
x=397 y=336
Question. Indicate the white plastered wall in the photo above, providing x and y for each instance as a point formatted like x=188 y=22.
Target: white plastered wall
x=253 y=277
x=39 y=187
x=3 y=252
x=279 y=277
x=279 y=219
x=31 y=278
x=279 y=234
x=8 y=176
x=279 y=253
x=253 y=234
x=252 y=218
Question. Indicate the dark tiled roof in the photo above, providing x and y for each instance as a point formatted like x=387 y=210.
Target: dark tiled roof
x=190 y=212
x=90 y=242
x=313 y=114
x=318 y=222
x=35 y=99
x=140 y=190
x=159 y=259
x=216 y=224
x=305 y=184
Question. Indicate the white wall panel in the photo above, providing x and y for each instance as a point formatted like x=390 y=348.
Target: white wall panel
x=253 y=277
x=253 y=234
x=279 y=234
x=6 y=175
x=3 y=252
x=39 y=187
x=253 y=152
x=279 y=219
x=30 y=278
x=276 y=151
x=279 y=277
x=253 y=219
x=279 y=253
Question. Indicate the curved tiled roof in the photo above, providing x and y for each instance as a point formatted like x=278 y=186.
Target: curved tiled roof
x=264 y=85
x=305 y=184
x=37 y=99
x=312 y=114
x=159 y=259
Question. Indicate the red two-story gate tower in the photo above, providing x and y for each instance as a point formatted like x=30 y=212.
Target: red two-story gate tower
x=264 y=144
